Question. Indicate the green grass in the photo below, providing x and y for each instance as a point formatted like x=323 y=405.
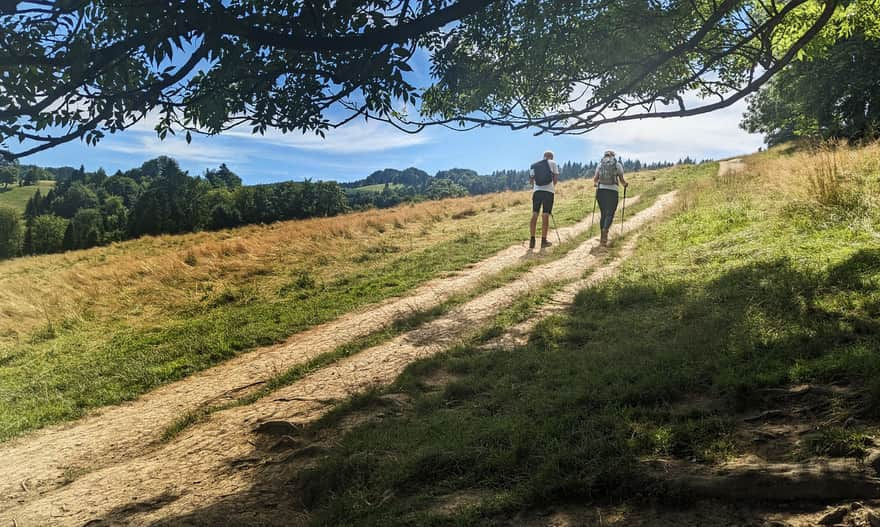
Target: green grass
x=58 y=378
x=17 y=197
x=71 y=366
x=74 y=365
x=735 y=293
x=511 y=315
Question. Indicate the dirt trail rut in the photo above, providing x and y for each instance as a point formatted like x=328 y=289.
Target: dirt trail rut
x=43 y=460
x=561 y=300
x=216 y=458
x=731 y=166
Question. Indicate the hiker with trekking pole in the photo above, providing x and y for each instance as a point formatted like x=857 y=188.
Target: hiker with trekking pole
x=608 y=174
x=543 y=176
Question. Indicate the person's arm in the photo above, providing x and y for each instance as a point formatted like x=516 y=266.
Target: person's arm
x=620 y=176
x=531 y=177
x=596 y=177
x=555 y=171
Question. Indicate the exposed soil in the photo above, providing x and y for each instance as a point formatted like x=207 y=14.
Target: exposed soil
x=731 y=166
x=126 y=477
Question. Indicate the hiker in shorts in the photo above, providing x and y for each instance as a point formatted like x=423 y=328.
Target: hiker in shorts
x=543 y=176
x=608 y=174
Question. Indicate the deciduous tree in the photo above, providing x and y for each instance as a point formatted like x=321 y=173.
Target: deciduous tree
x=8 y=175
x=46 y=234
x=837 y=94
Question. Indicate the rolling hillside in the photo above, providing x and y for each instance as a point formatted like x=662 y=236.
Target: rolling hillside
x=17 y=197
x=716 y=364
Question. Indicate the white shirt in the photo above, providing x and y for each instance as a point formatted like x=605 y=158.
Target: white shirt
x=548 y=187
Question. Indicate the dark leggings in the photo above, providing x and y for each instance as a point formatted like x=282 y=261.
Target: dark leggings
x=608 y=205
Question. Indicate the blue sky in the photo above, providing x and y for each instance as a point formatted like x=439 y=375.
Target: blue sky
x=355 y=151
x=360 y=148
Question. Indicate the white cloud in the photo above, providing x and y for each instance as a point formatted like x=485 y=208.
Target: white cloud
x=715 y=134
x=150 y=145
x=357 y=137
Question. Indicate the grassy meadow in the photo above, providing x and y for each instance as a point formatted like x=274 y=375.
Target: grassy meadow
x=17 y=197
x=95 y=327
x=760 y=281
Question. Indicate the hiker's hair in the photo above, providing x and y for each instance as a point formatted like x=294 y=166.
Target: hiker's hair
x=548 y=154
x=609 y=153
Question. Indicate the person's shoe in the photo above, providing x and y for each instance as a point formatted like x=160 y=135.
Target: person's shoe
x=532 y=242
x=603 y=240
x=545 y=243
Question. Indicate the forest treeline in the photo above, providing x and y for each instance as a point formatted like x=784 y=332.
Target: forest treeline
x=86 y=209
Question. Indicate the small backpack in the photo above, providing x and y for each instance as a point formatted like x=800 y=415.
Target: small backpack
x=608 y=171
x=543 y=175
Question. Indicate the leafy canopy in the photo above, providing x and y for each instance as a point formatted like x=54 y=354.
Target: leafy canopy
x=834 y=95
x=78 y=69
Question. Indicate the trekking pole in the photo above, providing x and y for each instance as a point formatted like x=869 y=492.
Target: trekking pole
x=623 y=211
x=558 y=239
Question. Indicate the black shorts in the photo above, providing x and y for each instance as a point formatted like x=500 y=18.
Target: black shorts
x=542 y=198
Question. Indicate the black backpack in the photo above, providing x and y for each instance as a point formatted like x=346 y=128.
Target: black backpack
x=543 y=175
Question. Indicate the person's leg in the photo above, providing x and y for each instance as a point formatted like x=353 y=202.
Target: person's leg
x=607 y=203
x=600 y=198
x=612 y=209
x=547 y=207
x=536 y=207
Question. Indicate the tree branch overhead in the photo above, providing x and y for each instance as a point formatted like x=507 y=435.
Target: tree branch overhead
x=82 y=69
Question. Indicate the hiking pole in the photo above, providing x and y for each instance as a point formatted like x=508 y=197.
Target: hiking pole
x=558 y=239
x=623 y=211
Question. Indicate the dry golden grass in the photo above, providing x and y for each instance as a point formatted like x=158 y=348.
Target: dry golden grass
x=831 y=174
x=139 y=282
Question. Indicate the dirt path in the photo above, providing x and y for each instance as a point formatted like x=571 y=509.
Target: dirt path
x=731 y=166
x=561 y=300
x=217 y=458
x=47 y=459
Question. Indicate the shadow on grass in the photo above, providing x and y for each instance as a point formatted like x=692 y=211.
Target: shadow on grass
x=568 y=416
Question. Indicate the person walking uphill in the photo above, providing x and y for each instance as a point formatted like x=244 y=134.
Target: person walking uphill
x=544 y=176
x=609 y=173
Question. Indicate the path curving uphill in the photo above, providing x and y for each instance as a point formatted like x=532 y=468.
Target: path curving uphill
x=126 y=465
x=45 y=460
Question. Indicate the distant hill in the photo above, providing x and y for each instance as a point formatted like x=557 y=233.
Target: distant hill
x=418 y=181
